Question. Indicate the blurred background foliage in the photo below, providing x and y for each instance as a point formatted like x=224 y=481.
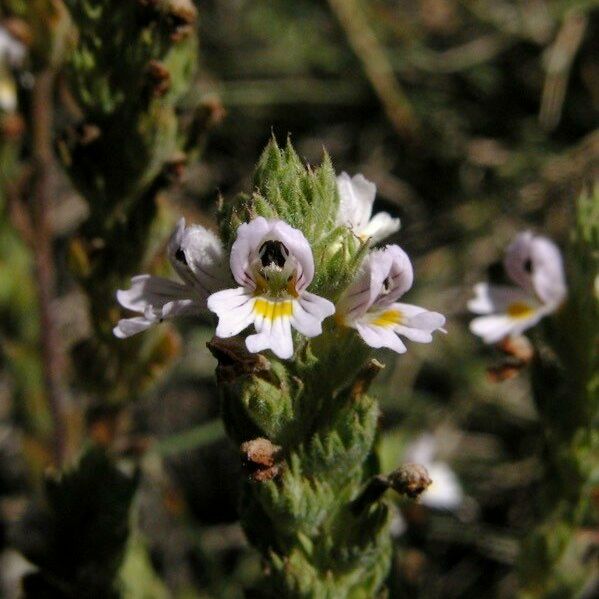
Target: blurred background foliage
x=475 y=118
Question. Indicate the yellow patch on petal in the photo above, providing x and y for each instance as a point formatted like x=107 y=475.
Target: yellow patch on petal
x=389 y=318
x=519 y=310
x=273 y=310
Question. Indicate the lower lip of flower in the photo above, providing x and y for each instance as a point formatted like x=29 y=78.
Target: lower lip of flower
x=271 y=310
x=519 y=310
x=388 y=318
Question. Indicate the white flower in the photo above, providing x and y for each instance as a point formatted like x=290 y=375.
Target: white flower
x=197 y=256
x=273 y=264
x=534 y=263
x=12 y=51
x=356 y=195
x=398 y=525
x=445 y=491
x=369 y=304
x=8 y=93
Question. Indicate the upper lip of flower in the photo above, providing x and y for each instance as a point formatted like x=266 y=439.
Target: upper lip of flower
x=386 y=275
x=356 y=199
x=267 y=254
x=535 y=264
x=196 y=254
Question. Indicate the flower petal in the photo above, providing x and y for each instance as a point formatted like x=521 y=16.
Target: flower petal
x=127 y=327
x=198 y=257
x=413 y=322
x=234 y=308
x=12 y=51
x=356 y=197
x=273 y=334
x=147 y=290
x=424 y=320
x=272 y=322
x=399 y=277
x=378 y=336
x=309 y=312
x=245 y=249
x=414 y=334
x=381 y=226
x=386 y=274
x=496 y=298
x=281 y=340
x=366 y=287
x=445 y=491
x=516 y=260
x=184 y=307
x=548 y=272
x=421 y=450
x=493 y=328
x=363 y=291
x=535 y=263
x=298 y=247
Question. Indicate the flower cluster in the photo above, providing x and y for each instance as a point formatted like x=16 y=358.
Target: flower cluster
x=273 y=266
x=534 y=264
x=264 y=281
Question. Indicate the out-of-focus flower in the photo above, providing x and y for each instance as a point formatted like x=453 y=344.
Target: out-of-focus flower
x=273 y=264
x=369 y=305
x=445 y=492
x=12 y=51
x=197 y=255
x=356 y=195
x=8 y=92
x=534 y=263
x=398 y=525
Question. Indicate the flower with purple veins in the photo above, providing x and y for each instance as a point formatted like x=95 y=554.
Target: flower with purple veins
x=197 y=256
x=370 y=303
x=273 y=265
x=534 y=264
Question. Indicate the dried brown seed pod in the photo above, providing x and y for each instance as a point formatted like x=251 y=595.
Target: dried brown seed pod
x=260 y=458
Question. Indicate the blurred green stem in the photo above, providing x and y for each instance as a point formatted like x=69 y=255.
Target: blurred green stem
x=191 y=439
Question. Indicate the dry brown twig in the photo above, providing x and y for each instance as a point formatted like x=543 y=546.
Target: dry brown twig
x=560 y=57
x=40 y=206
x=377 y=66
